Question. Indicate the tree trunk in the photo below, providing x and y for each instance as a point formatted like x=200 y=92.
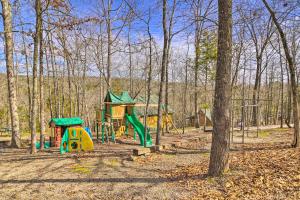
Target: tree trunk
x=162 y=73
x=49 y=85
x=42 y=103
x=8 y=35
x=296 y=142
x=27 y=78
x=109 y=44
x=130 y=62
x=148 y=82
x=289 y=100
x=185 y=90
x=197 y=57
x=171 y=17
x=34 y=75
x=281 y=85
x=219 y=157
x=256 y=90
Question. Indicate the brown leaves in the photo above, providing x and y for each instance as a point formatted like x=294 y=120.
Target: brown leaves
x=254 y=174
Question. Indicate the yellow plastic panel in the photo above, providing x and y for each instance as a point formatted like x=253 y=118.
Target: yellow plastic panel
x=79 y=140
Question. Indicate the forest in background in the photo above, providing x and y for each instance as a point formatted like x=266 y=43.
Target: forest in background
x=66 y=56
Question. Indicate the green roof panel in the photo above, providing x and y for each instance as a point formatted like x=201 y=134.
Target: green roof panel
x=67 y=121
x=125 y=97
x=115 y=99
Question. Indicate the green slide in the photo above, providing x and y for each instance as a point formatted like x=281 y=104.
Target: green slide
x=140 y=129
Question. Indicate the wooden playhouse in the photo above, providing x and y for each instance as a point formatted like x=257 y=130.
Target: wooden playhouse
x=152 y=116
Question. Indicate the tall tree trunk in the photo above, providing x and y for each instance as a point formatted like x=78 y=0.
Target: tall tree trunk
x=289 y=100
x=148 y=82
x=281 y=84
x=185 y=90
x=197 y=57
x=42 y=103
x=49 y=85
x=54 y=74
x=256 y=90
x=34 y=75
x=9 y=45
x=296 y=142
x=109 y=43
x=170 y=36
x=130 y=62
x=162 y=73
x=27 y=78
x=219 y=157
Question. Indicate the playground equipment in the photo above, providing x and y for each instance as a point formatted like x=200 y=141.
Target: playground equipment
x=152 y=115
x=70 y=136
x=59 y=125
x=203 y=117
x=117 y=113
x=46 y=145
x=76 y=139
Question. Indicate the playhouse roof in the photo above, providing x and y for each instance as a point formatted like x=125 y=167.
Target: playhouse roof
x=126 y=97
x=115 y=99
x=66 y=121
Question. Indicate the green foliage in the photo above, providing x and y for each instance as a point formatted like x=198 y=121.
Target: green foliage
x=208 y=54
x=209 y=48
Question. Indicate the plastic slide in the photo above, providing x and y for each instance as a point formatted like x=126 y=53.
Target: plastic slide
x=88 y=130
x=140 y=129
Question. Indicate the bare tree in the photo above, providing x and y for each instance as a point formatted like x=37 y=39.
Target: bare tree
x=296 y=142
x=38 y=9
x=219 y=157
x=170 y=36
x=41 y=67
x=9 y=46
x=163 y=71
x=261 y=30
x=149 y=78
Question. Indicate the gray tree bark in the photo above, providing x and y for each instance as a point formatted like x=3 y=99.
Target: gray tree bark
x=8 y=35
x=219 y=157
x=42 y=103
x=162 y=73
x=34 y=76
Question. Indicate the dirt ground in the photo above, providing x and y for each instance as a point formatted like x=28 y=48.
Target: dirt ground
x=262 y=168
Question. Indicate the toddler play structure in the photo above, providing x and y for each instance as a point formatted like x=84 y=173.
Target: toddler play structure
x=69 y=135
x=117 y=114
x=76 y=139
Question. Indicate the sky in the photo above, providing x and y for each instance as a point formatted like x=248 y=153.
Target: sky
x=84 y=8
x=88 y=8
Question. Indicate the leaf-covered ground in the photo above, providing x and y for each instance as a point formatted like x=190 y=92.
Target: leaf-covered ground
x=264 y=168
x=258 y=172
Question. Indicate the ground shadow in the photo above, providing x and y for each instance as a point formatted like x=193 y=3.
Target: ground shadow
x=103 y=180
